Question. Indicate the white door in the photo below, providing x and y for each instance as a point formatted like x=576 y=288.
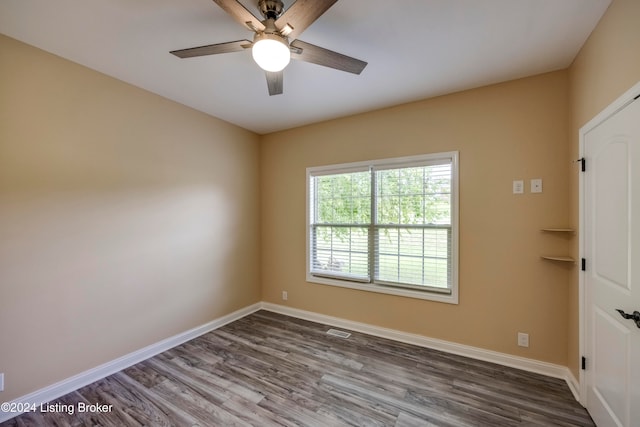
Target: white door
x=612 y=276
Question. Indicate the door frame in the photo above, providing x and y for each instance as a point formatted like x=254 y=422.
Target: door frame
x=625 y=99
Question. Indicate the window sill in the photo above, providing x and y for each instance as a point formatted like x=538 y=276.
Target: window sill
x=389 y=290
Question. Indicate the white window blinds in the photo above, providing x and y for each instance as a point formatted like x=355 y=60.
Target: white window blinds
x=340 y=225
x=389 y=223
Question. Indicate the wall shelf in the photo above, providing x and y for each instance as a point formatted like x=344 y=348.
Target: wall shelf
x=560 y=258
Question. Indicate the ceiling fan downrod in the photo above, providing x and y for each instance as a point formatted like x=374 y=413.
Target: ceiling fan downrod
x=271 y=9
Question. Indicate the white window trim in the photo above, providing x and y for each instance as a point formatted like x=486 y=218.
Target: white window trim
x=451 y=298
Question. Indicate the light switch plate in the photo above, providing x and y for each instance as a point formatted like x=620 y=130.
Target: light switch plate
x=518 y=187
x=536 y=185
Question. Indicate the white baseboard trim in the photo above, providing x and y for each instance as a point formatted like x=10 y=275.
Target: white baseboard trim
x=574 y=385
x=82 y=379
x=530 y=365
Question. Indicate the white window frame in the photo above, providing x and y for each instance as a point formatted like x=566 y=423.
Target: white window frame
x=452 y=297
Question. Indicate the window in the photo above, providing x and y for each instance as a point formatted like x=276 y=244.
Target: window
x=387 y=226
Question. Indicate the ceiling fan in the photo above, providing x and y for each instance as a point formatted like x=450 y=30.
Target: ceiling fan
x=270 y=46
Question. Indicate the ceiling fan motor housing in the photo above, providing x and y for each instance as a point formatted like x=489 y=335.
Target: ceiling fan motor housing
x=271 y=9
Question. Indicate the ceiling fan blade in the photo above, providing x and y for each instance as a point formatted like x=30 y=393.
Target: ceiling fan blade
x=301 y=14
x=274 y=82
x=241 y=14
x=318 y=55
x=212 y=49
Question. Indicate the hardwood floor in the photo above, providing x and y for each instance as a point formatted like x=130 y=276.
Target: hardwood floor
x=272 y=370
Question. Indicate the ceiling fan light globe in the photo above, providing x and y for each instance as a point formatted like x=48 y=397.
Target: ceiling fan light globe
x=271 y=54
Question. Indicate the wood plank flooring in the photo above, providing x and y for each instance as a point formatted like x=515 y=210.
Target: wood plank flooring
x=272 y=370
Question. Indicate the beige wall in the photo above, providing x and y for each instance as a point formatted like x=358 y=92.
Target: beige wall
x=515 y=130
x=606 y=67
x=125 y=218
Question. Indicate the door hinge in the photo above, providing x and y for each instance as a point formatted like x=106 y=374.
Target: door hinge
x=584 y=265
x=584 y=363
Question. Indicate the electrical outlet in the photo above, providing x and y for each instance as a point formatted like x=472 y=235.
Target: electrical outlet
x=285 y=296
x=523 y=339
x=2 y=382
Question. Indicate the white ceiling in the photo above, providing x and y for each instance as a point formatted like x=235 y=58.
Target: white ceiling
x=415 y=49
